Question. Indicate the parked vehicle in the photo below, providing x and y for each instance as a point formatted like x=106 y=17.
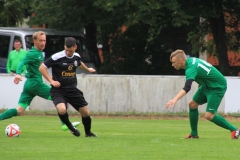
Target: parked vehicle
x=55 y=43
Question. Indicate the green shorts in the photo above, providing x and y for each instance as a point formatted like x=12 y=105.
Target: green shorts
x=33 y=87
x=213 y=98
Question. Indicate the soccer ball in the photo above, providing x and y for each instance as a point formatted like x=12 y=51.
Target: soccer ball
x=12 y=130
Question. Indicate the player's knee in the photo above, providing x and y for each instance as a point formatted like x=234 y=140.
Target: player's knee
x=192 y=104
x=62 y=111
x=84 y=112
x=209 y=116
x=20 y=111
x=61 y=108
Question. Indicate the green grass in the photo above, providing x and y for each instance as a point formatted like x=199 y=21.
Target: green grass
x=118 y=139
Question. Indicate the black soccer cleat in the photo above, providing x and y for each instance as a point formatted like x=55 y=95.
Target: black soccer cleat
x=90 y=135
x=75 y=132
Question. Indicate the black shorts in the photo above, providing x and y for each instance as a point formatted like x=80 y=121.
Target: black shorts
x=72 y=96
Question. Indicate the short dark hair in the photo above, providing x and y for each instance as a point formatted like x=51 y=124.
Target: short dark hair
x=70 y=42
x=17 y=40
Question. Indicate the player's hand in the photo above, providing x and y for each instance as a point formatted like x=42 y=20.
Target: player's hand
x=55 y=84
x=17 y=79
x=171 y=103
x=91 y=70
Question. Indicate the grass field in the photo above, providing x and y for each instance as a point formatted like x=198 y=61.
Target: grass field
x=118 y=139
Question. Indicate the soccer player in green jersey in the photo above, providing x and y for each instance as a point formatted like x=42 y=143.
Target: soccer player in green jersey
x=212 y=87
x=34 y=85
x=15 y=57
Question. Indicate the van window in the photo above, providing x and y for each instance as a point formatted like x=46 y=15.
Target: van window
x=55 y=44
x=4 y=45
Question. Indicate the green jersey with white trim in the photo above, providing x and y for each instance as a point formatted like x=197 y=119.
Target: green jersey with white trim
x=32 y=60
x=204 y=74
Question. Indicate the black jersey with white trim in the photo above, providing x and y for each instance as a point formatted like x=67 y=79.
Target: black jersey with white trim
x=64 y=68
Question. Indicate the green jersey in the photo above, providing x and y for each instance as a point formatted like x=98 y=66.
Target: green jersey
x=204 y=74
x=32 y=60
x=14 y=58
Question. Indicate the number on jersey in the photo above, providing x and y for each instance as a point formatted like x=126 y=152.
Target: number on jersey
x=205 y=66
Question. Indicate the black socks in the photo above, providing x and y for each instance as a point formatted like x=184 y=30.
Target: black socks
x=65 y=120
x=87 y=124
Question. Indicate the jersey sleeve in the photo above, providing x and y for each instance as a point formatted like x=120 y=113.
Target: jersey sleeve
x=49 y=62
x=191 y=73
x=79 y=62
x=78 y=59
x=28 y=59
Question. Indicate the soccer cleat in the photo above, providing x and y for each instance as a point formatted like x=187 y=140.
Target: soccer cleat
x=90 y=135
x=75 y=124
x=75 y=132
x=235 y=134
x=189 y=136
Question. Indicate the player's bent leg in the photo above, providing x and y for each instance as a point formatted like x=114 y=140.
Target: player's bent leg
x=8 y=114
x=86 y=121
x=222 y=122
x=20 y=110
x=214 y=100
x=63 y=115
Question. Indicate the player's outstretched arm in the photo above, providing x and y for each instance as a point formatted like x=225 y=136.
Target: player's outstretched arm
x=182 y=93
x=84 y=67
x=46 y=75
x=172 y=102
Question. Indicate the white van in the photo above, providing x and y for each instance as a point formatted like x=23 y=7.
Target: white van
x=55 y=43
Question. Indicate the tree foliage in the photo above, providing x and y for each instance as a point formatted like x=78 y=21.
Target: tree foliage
x=12 y=12
x=221 y=20
x=146 y=22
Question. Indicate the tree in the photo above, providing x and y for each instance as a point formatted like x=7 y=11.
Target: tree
x=12 y=12
x=71 y=15
x=148 y=18
x=162 y=14
x=155 y=16
x=215 y=13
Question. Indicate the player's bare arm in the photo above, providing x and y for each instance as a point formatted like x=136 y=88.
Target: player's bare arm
x=182 y=93
x=172 y=102
x=46 y=75
x=17 y=79
x=84 y=67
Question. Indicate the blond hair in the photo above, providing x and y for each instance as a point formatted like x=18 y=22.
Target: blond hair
x=36 y=34
x=179 y=53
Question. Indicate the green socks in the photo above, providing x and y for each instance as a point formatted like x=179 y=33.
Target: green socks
x=193 y=117
x=8 y=114
x=218 y=120
x=222 y=122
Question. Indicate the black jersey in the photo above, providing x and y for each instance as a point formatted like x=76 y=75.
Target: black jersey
x=64 y=68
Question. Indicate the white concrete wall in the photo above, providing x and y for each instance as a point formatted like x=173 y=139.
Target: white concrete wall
x=124 y=94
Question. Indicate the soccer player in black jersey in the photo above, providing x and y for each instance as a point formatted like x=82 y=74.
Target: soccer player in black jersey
x=64 y=85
